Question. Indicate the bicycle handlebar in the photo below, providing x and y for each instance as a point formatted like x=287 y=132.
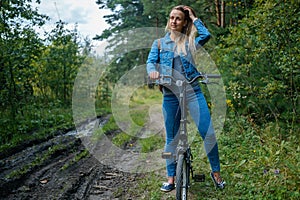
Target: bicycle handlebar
x=212 y=75
x=205 y=78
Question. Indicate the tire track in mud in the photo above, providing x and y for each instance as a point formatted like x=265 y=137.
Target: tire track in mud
x=60 y=168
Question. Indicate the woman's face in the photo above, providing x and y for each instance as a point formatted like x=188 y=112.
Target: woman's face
x=177 y=20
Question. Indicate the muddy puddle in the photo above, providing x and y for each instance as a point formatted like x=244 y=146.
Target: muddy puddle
x=61 y=168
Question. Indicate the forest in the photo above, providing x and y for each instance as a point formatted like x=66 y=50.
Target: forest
x=255 y=46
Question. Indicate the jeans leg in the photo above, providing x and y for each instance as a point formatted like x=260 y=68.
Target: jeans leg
x=171 y=113
x=201 y=116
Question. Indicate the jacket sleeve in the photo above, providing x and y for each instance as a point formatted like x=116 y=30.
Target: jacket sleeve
x=153 y=57
x=203 y=32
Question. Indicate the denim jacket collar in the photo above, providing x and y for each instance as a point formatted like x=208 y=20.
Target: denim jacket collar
x=167 y=38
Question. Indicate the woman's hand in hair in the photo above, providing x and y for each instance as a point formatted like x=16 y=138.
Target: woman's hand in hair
x=191 y=13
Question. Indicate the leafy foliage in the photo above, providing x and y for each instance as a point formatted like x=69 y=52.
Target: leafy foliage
x=260 y=60
x=126 y=15
x=258 y=56
x=35 y=74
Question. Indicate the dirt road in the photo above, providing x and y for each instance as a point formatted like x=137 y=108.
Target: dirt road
x=60 y=168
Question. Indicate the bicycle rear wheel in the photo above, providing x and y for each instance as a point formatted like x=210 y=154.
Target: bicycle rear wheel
x=182 y=178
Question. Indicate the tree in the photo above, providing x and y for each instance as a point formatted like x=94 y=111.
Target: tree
x=59 y=64
x=19 y=46
x=31 y=66
x=126 y=15
x=261 y=56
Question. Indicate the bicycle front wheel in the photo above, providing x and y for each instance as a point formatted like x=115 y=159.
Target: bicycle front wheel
x=182 y=178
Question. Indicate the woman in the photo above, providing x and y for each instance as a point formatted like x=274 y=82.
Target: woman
x=173 y=53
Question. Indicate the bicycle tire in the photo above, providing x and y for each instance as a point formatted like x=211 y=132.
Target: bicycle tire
x=182 y=178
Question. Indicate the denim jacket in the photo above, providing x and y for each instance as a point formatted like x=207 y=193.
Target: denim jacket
x=162 y=59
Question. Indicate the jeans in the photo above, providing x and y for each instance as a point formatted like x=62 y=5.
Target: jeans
x=200 y=114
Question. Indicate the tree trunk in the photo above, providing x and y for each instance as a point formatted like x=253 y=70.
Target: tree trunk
x=217 y=4
x=223 y=24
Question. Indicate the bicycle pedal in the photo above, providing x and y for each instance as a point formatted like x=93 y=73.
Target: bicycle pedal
x=166 y=155
x=199 y=177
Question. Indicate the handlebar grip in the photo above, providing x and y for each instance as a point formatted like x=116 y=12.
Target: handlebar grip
x=213 y=75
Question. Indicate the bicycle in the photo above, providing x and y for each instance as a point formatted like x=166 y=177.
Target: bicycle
x=183 y=155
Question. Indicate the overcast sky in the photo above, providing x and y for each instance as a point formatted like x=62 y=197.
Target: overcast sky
x=84 y=13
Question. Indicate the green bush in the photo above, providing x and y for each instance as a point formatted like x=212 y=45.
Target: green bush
x=259 y=61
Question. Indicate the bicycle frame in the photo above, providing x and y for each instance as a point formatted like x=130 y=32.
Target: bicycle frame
x=183 y=155
x=182 y=136
x=183 y=140
x=182 y=86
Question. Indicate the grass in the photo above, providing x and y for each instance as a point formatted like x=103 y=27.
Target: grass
x=139 y=104
x=151 y=144
x=257 y=162
x=39 y=160
x=32 y=126
x=85 y=153
x=121 y=139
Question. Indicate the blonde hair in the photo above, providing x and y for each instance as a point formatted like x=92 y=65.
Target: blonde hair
x=188 y=33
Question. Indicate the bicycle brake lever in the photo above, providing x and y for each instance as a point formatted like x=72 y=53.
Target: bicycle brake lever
x=204 y=81
x=165 y=81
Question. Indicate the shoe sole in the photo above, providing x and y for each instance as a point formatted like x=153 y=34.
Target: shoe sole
x=215 y=182
x=166 y=190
